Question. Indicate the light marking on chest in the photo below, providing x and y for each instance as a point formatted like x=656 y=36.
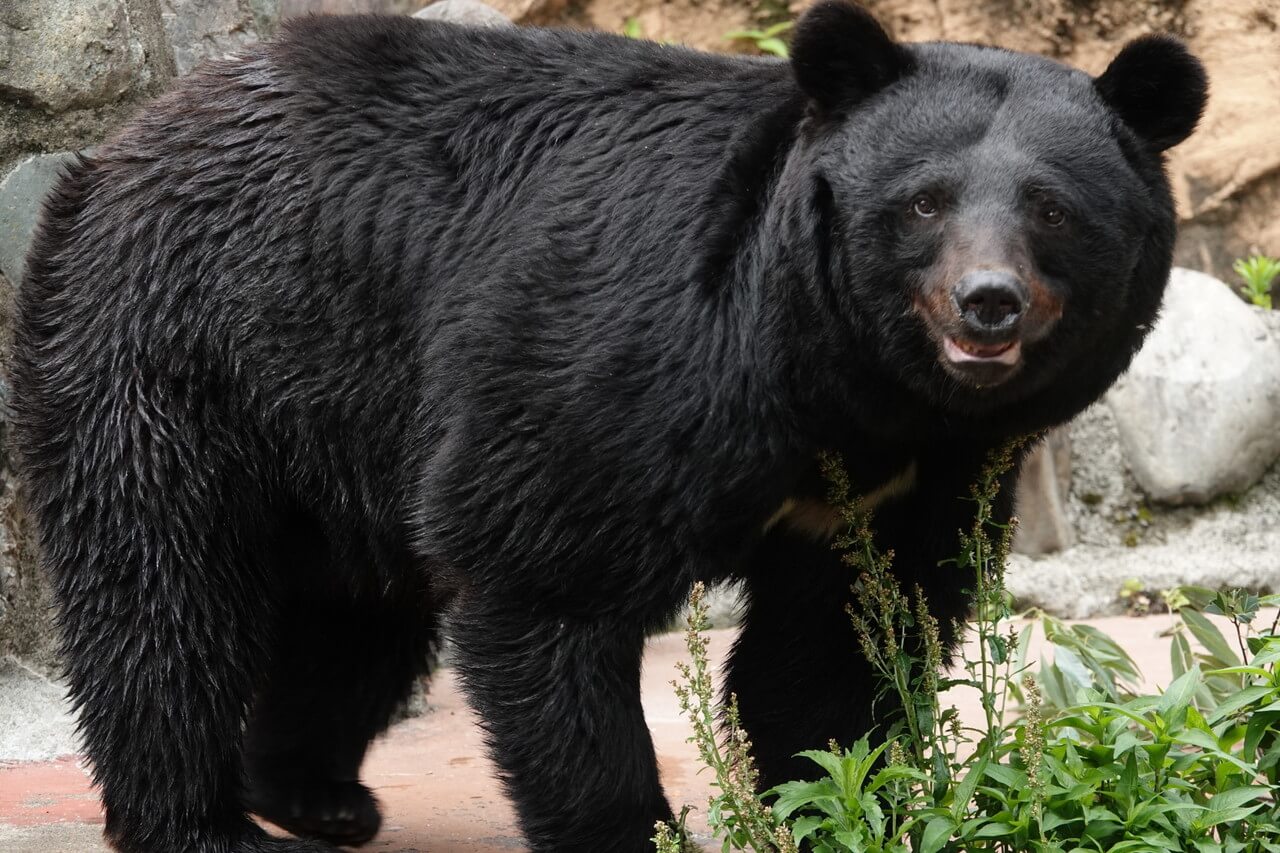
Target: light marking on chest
x=822 y=521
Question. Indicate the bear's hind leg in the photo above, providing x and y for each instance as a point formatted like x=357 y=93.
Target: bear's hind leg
x=560 y=701
x=151 y=534
x=342 y=664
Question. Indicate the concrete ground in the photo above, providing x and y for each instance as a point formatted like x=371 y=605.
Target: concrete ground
x=435 y=783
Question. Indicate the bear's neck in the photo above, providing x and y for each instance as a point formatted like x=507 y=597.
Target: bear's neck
x=782 y=305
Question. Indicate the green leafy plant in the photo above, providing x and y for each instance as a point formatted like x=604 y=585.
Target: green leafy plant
x=767 y=40
x=1257 y=272
x=633 y=29
x=1075 y=758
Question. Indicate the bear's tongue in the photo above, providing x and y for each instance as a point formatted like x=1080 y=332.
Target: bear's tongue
x=962 y=351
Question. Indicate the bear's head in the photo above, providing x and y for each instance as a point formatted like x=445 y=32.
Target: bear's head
x=997 y=227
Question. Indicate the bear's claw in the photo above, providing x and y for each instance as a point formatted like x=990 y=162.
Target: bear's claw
x=344 y=813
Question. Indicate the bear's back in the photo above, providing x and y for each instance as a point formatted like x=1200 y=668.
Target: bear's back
x=361 y=200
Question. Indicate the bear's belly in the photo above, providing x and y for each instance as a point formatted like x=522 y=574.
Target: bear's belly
x=821 y=520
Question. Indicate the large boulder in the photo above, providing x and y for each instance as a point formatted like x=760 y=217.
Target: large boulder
x=22 y=193
x=469 y=12
x=1044 y=526
x=58 y=54
x=1199 y=409
x=215 y=29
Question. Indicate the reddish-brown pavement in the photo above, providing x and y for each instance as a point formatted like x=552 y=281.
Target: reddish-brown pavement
x=435 y=783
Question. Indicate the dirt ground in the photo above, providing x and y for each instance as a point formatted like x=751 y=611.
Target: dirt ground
x=436 y=785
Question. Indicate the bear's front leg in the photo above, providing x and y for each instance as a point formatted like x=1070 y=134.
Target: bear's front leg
x=559 y=698
x=797 y=669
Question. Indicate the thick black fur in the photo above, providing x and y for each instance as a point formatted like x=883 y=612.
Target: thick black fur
x=394 y=320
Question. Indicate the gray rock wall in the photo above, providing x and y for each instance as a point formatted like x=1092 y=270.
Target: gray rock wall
x=25 y=628
x=71 y=72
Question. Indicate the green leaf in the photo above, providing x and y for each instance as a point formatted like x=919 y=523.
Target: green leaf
x=1211 y=638
x=1267 y=651
x=941 y=775
x=803 y=827
x=1177 y=696
x=1128 y=780
x=1006 y=776
x=853 y=842
x=994 y=829
x=1234 y=703
x=1230 y=805
x=1198 y=596
x=1208 y=743
x=1055 y=819
x=1071 y=666
x=1246 y=669
x=873 y=815
x=937 y=832
x=823 y=795
x=829 y=762
x=1054 y=683
x=775 y=46
x=998 y=648
x=1260 y=725
x=964 y=791
x=1180 y=654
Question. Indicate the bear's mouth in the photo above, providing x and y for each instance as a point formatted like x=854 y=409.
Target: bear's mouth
x=981 y=365
x=960 y=351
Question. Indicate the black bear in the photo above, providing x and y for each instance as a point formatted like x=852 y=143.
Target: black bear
x=393 y=327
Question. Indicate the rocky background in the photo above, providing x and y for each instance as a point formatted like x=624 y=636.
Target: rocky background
x=1171 y=479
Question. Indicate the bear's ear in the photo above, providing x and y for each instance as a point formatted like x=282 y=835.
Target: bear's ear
x=1157 y=87
x=840 y=55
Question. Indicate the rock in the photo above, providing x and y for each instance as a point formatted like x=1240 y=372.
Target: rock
x=1227 y=175
x=59 y=54
x=26 y=627
x=1043 y=487
x=724 y=606
x=1198 y=410
x=1102 y=487
x=4 y=424
x=295 y=8
x=36 y=722
x=1271 y=319
x=215 y=29
x=1228 y=545
x=531 y=11
x=21 y=193
x=470 y=12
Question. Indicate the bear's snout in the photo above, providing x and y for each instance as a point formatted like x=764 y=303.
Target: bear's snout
x=990 y=303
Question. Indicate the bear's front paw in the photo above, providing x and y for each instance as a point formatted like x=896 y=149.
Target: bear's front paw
x=340 y=812
x=284 y=845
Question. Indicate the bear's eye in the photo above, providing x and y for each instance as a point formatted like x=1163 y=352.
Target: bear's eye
x=924 y=206
x=1053 y=216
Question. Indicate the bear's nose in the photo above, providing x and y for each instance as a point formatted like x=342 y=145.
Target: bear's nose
x=990 y=300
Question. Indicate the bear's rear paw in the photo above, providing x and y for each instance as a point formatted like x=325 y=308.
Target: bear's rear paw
x=344 y=813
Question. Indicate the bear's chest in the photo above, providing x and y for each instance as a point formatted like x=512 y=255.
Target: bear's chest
x=809 y=513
